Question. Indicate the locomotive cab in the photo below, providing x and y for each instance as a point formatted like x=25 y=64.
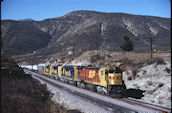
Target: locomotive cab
x=114 y=76
x=115 y=81
x=46 y=70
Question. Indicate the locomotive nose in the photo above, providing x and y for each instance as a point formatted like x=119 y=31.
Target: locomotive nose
x=115 y=79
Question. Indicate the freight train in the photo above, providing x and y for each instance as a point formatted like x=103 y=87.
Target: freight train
x=105 y=80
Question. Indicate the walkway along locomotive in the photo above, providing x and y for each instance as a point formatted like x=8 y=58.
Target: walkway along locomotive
x=104 y=80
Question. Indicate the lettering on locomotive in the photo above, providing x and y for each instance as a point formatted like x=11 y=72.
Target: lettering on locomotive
x=91 y=74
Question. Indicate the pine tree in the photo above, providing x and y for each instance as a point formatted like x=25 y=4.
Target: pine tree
x=127 y=45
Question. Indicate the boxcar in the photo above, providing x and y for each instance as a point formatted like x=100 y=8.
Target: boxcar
x=40 y=69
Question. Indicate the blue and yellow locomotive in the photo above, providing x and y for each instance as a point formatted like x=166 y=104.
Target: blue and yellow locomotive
x=104 y=80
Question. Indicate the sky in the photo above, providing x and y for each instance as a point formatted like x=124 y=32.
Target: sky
x=43 y=9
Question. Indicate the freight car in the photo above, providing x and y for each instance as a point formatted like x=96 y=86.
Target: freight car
x=104 y=80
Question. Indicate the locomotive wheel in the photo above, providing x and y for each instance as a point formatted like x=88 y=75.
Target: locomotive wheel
x=80 y=84
x=77 y=84
x=101 y=90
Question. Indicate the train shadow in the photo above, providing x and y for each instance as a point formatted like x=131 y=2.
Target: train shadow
x=134 y=93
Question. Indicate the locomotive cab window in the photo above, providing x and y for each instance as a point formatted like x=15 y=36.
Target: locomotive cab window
x=111 y=71
x=116 y=70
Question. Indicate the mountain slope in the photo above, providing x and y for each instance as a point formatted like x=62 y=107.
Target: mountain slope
x=84 y=30
x=19 y=37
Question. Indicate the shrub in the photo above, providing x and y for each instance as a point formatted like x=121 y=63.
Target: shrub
x=129 y=78
x=149 y=83
x=155 y=60
x=127 y=45
x=134 y=73
x=95 y=58
x=151 y=91
x=127 y=61
x=144 y=72
x=168 y=70
x=109 y=56
x=160 y=85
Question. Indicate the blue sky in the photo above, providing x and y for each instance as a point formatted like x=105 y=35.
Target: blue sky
x=43 y=9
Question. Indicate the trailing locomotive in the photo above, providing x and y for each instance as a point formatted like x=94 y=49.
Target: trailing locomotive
x=104 y=80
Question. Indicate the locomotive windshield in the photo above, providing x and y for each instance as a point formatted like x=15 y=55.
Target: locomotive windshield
x=116 y=70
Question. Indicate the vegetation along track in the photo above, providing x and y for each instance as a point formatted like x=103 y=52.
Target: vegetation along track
x=115 y=106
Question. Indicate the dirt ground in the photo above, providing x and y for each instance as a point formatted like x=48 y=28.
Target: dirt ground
x=135 y=57
x=140 y=57
x=106 y=57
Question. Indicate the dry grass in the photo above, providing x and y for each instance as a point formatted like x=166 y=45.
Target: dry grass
x=96 y=58
x=130 y=58
x=25 y=95
x=155 y=60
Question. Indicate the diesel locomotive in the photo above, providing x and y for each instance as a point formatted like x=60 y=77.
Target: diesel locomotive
x=105 y=80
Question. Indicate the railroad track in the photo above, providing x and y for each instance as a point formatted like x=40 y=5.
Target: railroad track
x=130 y=102
x=112 y=108
x=133 y=101
x=147 y=105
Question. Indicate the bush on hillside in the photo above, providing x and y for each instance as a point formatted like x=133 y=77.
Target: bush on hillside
x=155 y=60
x=127 y=45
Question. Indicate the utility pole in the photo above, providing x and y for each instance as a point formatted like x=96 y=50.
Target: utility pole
x=74 y=50
x=151 y=40
x=151 y=46
x=97 y=46
x=99 y=37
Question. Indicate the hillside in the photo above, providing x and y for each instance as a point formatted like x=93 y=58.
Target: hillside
x=80 y=31
x=21 y=93
x=153 y=77
x=21 y=37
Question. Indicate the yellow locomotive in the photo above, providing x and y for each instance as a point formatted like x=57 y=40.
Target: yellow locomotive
x=106 y=80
